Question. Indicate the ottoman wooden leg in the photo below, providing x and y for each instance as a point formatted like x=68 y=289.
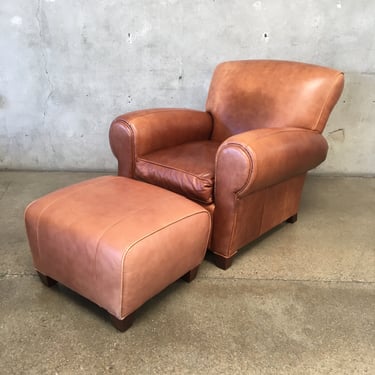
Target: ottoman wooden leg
x=46 y=280
x=122 y=324
x=292 y=219
x=223 y=263
x=191 y=275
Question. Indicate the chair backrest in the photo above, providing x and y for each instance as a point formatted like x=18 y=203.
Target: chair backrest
x=251 y=94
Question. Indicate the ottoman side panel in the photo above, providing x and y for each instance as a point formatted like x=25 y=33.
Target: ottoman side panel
x=64 y=230
x=116 y=241
x=162 y=257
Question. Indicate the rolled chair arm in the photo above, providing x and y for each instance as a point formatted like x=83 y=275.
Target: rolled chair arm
x=259 y=158
x=141 y=132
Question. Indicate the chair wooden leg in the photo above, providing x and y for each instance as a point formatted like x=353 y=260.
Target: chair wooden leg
x=191 y=275
x=223 y=263
x=122 y=324
x=292 y=219
x=46 y=280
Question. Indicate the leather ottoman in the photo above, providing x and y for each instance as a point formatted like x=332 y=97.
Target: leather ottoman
x=116 y=241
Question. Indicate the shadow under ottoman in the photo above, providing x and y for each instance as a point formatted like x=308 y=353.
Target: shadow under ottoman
x=116 y=241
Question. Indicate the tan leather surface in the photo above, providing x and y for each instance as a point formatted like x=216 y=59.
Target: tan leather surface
x=186 y=169
x=281 y=202
x=259 y=158
x=116 y=241
x=253 y=94
x=240 y=221
x=255 y=185
x=268 y=116
x=233 y=215
x=138 y=133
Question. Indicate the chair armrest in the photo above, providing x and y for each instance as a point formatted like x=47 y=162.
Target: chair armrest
x=259 y=158
x=141 y=132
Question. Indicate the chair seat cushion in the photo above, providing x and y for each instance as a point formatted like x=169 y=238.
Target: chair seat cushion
x=187 y=169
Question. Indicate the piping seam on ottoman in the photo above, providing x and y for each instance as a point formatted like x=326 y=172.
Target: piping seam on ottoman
x=131 y=246
x=56 y=200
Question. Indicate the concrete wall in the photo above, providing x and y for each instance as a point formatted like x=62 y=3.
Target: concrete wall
x=68 y=67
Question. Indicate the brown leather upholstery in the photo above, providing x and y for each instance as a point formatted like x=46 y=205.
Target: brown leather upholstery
x=247 y=155
x=187 y=169
x=142 y=132
x=112 y=240
x=246 y=95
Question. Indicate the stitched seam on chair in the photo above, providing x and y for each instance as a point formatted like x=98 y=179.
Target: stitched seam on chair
x=250 y=178
x=236 y=194
x=58 y=199
x=132 y=143
x=248 y=150
x=253 y=170
x=262 y=215
x=215 y=252
x=132 y=245
x=329 y=94
x=233 y=225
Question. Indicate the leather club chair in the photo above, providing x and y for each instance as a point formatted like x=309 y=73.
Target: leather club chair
x=246 y=157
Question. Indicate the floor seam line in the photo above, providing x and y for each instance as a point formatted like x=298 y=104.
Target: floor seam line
x=5 y=275
x=289 y=280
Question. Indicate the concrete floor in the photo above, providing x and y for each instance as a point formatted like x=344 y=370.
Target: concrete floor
x=299 y=301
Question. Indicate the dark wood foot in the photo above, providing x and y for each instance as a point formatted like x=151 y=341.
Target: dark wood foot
x=191 y=275
x=292 y=219
x=223 y=263
x=122 y=324
x=46 y=280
